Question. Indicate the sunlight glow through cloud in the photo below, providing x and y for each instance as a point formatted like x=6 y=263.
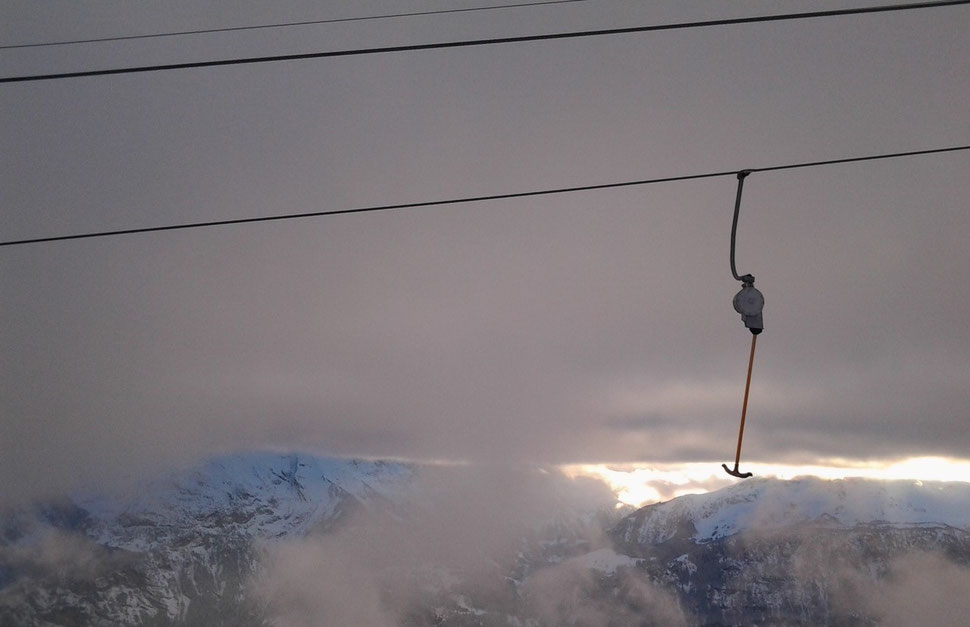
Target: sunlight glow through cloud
x=640 y=485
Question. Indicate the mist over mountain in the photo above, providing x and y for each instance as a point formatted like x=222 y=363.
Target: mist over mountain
x=291 y=540
x=180 y=549
x=809 y=551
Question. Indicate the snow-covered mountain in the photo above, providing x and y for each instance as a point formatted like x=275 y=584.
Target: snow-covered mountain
x=186 y=548
x=261 y=495
x=179 y=549
x=806 y=551
x=766 y=504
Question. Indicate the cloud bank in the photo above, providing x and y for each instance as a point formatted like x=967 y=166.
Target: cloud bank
x=456 y=543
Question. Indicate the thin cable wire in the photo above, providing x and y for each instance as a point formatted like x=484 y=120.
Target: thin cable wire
x=480 y=42
x=472 y=199
x=737 y=202
x=203 y=31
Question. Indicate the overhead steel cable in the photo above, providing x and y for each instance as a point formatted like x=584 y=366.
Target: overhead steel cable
x=204 y=31
x=473 y=199
x=481 y=42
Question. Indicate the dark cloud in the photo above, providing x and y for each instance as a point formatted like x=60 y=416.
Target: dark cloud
x=587 y=327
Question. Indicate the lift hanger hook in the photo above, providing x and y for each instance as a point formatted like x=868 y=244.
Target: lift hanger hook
x=748 y=302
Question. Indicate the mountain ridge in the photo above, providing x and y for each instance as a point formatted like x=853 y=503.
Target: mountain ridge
x=184 y=549
x=178 y=549
x=806 y=551
x=766 y=503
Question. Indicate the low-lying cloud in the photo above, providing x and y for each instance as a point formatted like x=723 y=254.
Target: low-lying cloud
x=920 y=588
x=574 y=595
x=457 y=541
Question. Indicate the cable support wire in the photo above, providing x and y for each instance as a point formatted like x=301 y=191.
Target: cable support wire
x=230 y=29
x=473 y=199
x=481 y=42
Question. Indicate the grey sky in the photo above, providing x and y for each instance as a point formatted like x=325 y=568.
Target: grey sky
x=579 y=328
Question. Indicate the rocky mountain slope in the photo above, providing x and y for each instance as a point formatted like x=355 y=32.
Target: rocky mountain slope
x=179 y=550
x=197 y=548
x=806 y=551
x=761 y=552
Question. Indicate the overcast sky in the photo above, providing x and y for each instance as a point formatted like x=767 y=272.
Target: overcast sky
x=588 y=327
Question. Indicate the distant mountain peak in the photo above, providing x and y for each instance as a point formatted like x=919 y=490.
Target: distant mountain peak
x=766 y=504
x=804 y=551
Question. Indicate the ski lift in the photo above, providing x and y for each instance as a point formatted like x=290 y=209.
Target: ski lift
x=748 y=302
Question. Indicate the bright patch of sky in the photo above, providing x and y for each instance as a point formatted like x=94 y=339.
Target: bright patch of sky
x=639 y=485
